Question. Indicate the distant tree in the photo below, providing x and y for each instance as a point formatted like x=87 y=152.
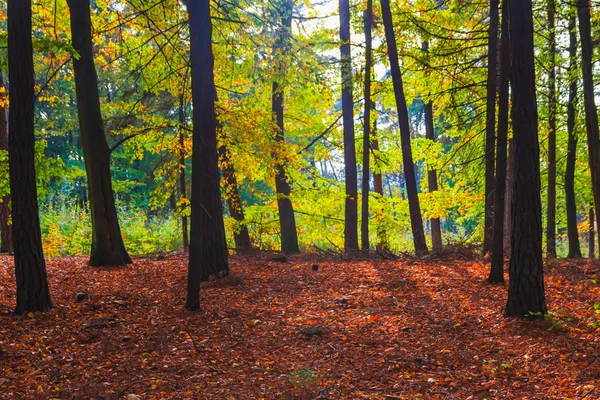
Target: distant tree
x=182 y=181
x=208 y=247
x=107 y=242
x=552 y=100
x=5 y=228
x=526 y=272
x=573 y=234
x=281 y=49
x=416 y=220
x=351 y=208
x=364 y=231
x=30 y=267
x=490 y=127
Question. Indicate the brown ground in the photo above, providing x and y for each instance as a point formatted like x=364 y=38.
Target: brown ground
x=390 y=329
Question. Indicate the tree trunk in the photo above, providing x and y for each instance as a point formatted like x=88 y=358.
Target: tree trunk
x=367 y=129
x=510 y=179
x=378 y=188
x=416 y=219
x=182 y=184
x=107 y=243
x=490 y=127
x=436 y=229
x=551 y=206
x=526 y=272
x=208 y=246
x=591 y=240
x=591 y=113
x=30 y=267
x=351 y=208
x=6 y=245
x=281 y=48
x=497 y=265
x=234 y=201
x=571 y=205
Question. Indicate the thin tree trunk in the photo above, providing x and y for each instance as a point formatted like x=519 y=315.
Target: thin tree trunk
x=571 y=205
x=182 y=183
x=526 y=272
x=241 y=236
x=208 y=246
x=551 y=206
x=490 y=127
x=416 y=219
x=497 y=264
x=367 y=130
x=351 y=206
x=510 y=179
x=591 y=113
x=281 y=48
x=591 y=240
x=6 y=245
x=107 y=242
x=378 y=188
x=436 y=230
x=30 y=267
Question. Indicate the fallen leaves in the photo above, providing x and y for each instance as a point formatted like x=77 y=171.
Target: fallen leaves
x=373 y=330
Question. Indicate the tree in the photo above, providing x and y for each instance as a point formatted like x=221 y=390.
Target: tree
x=5 y=228
x=573 y=234
x=364 y=231
x=416 y=219
x=551 y=206
x=497 y=265
x=30 y=268
x=107 y=242
x=208 y=247
x=526 y=271
x=281 y=49
x=182 y=181
x=351 y=207
x=490 y=127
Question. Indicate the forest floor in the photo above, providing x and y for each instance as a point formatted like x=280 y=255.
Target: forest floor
x=388 y=330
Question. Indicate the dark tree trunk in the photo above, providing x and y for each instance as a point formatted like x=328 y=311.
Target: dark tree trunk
x=571 y=205
x=510 y=180
x=208 y=246
x=378 y=188
x=281 y=48
x=234 y=201
x=367 y=130
x=416 y=219
x=30 y=267
x=351 y=209
x=591 y=113
x=591 y=241
x=182 y=183
x=526 y=272
x=551 y=208
x=436 y=229
x=6 y=245
x=490 y=127
x=107 y=243
x=497 y=265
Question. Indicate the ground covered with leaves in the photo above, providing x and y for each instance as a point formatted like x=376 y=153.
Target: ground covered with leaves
x=308 y=328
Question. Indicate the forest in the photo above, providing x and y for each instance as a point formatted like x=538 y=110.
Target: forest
x=248 y=199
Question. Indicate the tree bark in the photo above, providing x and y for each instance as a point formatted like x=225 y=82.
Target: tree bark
x=497 y=264
x=208 y=246
x=591 y=240
x=416 y=219
x=510 y=179
x=182 y=184
x=571 y=205
x=526 y=271
x=490 y=127
x=281 y=48
x=551 y=206
x=30 y=267
x=241 y=236
x=351 y=207
x=591 y=113
x=367 y=129
x=6 y=245
x=107 y=242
